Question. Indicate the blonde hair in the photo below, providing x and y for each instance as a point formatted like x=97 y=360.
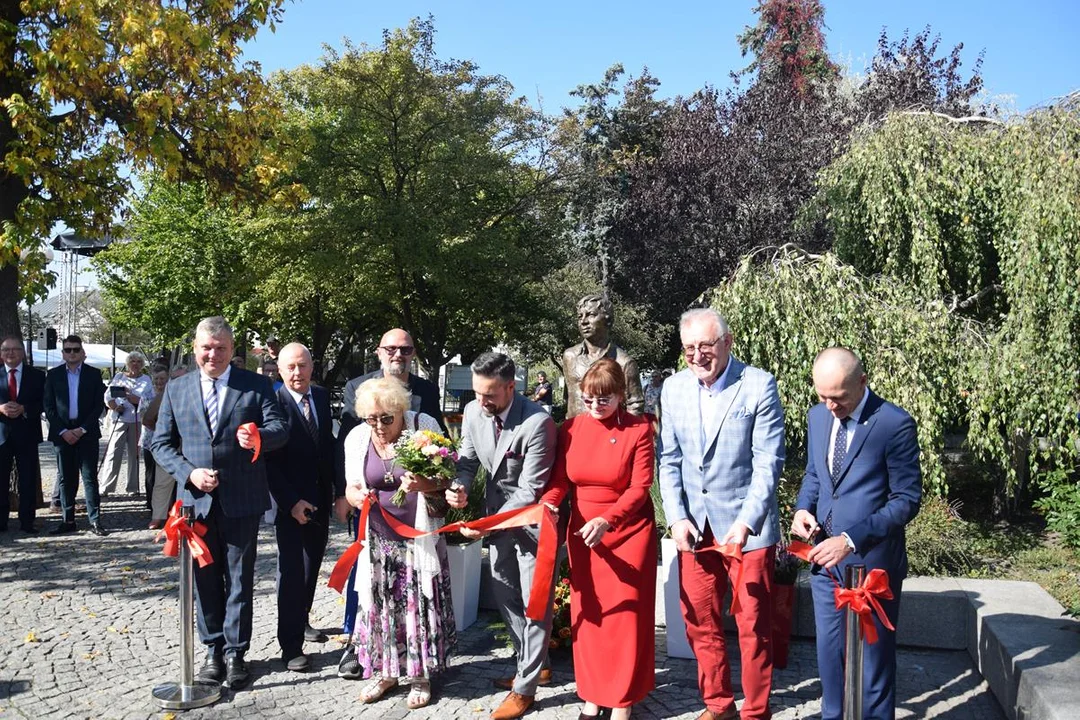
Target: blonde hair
x=386 y=393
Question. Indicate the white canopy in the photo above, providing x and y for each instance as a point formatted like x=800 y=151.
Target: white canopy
x=98 y=355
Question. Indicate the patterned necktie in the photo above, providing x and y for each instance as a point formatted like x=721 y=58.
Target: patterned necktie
x=13 y=389
x=498 y=427
x=839 y=452
x=212 y=406
x=309 y=419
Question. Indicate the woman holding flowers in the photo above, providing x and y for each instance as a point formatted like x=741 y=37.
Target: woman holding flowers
x=405 y=622
x=605 y=462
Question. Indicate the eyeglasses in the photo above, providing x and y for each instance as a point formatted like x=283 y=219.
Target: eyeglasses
x=405 y=350
x=603 y=401
x=705 y=348
x=10 y=349
x=374 y=420
x=72 y=351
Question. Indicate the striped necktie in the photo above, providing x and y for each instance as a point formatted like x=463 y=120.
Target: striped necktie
x=212 y=406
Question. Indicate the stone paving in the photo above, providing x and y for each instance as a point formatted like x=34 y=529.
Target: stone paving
x=89 y=625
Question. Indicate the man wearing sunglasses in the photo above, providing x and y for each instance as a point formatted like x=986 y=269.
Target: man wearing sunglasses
x=74 y=401
x=721 y=453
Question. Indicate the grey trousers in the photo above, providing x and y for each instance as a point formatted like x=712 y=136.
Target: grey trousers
x=123 y=442
x=513 y=565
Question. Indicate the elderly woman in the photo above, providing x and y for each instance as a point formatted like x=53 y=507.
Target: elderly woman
x=126 y=391
x=405 y=623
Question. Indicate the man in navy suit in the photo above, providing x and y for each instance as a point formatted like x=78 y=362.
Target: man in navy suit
x=301 y=476
x=22 y=396
x=862 y=486
x=74 y=401
x=200 y=442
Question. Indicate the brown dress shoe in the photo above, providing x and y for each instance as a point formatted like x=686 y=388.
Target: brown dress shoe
x=730 y=714
x=514 y=706
x=508 y=683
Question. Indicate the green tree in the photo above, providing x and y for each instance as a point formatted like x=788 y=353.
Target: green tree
x=788 y=44
x=88 y=88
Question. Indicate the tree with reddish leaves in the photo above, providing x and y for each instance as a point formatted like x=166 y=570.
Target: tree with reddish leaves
x=788 y=44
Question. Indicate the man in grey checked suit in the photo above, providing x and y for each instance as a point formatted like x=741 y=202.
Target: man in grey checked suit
x=514 y=439
x=199 y=441
x=721 y=453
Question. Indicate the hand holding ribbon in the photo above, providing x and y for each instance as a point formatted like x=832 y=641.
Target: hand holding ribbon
x=340 y=574
x=178 y=530
x=733 y=551
x=864 y=598
x=249 y=438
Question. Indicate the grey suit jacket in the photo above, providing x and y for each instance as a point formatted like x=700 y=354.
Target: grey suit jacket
x=732 y=475
x=519 y=465
x=182 y=440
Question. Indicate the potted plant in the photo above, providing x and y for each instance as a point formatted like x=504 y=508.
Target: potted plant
x=561 y=634
x=464 y=556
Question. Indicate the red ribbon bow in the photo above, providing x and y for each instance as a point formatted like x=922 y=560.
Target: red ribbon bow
x=864 y=599
x=255 y=436
x=178 y=530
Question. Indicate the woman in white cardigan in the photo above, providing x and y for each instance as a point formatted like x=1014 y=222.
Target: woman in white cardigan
x=404 y=627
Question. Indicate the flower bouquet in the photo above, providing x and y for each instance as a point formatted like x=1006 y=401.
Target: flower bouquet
x=561 y=634
x=426 y=453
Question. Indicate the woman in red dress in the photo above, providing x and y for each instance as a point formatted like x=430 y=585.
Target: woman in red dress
x=605 y=462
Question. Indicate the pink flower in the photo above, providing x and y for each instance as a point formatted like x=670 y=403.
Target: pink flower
x=421 y=440
x=444 y=451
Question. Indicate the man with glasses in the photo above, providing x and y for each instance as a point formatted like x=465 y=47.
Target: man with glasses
x=721 y=453
x=74 y=401
x=22 y=395
x=595 y=316
x=395 y=351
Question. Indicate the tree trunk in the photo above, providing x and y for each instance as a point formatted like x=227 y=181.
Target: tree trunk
x=9 y=300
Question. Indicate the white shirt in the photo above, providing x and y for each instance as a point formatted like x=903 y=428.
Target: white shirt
x=222 y=387
x=709 y=404
x=141 y=386
x=18 y=370
x=850 y=424
x=502 y=417
x=73 y=391
x=298 y=399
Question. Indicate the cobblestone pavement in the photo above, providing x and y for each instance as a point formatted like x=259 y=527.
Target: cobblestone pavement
x=89 y=625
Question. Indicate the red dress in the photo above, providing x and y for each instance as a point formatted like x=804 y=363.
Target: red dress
x=607 y=466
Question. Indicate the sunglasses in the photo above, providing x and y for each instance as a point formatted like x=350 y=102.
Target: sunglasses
x=374 y=420
x=72 y=350
x=604 y=401
x=405 y=350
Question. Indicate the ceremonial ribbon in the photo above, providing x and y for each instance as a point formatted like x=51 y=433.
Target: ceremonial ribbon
x=864 y=598
x=256 y=437
x=734 y=552
x=178 y=530
x=340 y=574
x=538 y=514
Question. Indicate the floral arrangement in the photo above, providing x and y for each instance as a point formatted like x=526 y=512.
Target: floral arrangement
x=426 y=453
x=561 y=635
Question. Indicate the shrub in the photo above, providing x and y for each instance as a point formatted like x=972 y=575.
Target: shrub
x=938 y=541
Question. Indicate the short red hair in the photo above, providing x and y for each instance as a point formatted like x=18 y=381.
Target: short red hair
x=605 y=377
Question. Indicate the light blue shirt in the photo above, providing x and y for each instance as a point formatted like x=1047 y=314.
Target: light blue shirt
x=73 y=392
x=709 y=404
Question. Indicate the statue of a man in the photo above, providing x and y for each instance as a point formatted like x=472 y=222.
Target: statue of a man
x=595 y=318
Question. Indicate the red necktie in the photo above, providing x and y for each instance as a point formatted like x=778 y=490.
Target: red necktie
x=12 y=388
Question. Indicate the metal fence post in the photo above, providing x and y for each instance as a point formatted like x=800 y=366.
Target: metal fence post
x=853 y=650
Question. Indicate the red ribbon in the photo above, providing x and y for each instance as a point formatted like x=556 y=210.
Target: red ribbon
x=864 y=599
x=538 y=514
x=178 y=530
x=340 y=574
x=800 y=549
x=256 y=437
x=734 y=552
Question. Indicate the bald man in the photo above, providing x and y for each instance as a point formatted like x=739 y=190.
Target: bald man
x=862 y=487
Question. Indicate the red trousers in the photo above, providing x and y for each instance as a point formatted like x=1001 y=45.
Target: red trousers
x=703 y=580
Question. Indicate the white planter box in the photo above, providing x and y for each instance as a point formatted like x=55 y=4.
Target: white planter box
x=464 y=582
x=677 y=644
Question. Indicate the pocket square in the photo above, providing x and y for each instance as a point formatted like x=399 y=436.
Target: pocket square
x=740 y=414
x=511 y=455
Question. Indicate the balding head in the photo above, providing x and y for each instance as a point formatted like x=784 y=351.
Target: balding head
x=294 y=366
x=839 y=380
x=396 y=352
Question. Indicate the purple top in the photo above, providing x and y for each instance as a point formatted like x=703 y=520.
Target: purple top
x=375 y=477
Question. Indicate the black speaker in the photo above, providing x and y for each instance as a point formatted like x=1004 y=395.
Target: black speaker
x=46 y=339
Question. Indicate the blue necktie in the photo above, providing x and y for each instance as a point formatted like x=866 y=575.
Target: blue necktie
x=839 y=453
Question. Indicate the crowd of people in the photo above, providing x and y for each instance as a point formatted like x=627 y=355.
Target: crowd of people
x=717 y=454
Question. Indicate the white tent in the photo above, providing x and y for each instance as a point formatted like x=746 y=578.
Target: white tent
x=98 y=355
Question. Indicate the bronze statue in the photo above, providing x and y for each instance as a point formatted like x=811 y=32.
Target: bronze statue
x=595 y=318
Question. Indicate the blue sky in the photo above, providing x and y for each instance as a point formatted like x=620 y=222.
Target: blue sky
x=547 y=48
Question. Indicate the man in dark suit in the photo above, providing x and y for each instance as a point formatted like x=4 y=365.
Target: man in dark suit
x=200 y=442
x=301 y=476
x=395 y=351
x=862 y=486
x=22 y=397
x=74 y=401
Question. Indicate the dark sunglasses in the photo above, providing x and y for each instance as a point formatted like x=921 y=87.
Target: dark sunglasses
x=405 y=350
x=374 y=420
x=602 y=401
x=72 y=350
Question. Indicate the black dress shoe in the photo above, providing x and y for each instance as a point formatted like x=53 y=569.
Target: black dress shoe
x=63 y=528
x=313 y=635
x=298 y=662
x=98 y=530
x=29 y=530
x=237 y=676
x=213 y=670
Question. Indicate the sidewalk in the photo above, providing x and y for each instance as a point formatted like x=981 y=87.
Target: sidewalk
x=89 y=625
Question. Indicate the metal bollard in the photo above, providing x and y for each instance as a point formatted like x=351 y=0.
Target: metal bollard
x=186 y=694
x=853 y=651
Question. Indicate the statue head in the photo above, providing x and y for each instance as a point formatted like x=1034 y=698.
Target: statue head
x=595 y=317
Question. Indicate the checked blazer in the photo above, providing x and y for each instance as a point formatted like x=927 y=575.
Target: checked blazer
x=182 y=440
x=731 y=475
